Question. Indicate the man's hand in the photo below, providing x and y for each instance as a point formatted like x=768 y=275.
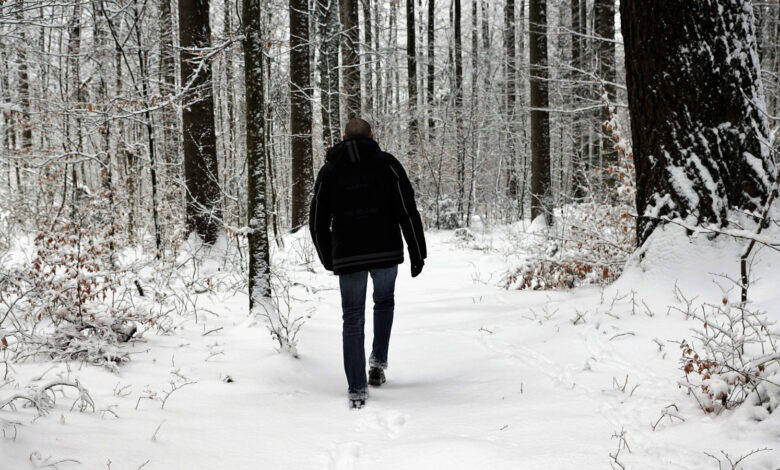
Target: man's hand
x=417 y=267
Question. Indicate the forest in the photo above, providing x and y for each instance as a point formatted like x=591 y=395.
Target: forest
x=597 y=179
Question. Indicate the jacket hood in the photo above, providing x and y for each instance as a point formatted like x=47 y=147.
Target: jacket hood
x=351 y=151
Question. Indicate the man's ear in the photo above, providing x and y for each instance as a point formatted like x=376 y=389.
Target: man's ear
x=344 y=137
x=371 y=136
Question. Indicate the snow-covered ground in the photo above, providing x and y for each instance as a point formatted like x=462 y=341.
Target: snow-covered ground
x=479 y=378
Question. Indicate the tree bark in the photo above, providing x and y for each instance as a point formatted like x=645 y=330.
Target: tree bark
x=541 y=197
x=509 y=90
x=300 y=113
x=411 y=76
x=461 y=153
x=608 y=75
x=170 y=122
x=695 y=98
x=329 y=70
x=24 y=87
x=579 y=163
x=259 y=259
x=149 y=129
x=200 y=146
x=367 y=8
x=350 y=57
x=430 y=66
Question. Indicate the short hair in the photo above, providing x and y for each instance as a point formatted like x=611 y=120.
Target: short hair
x=357 y=129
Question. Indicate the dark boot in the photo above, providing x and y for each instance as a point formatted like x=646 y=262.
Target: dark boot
x=376 y=377
x=357 y=404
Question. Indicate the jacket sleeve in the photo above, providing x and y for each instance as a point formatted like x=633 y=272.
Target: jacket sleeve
x=320 y=216
x=406 y=212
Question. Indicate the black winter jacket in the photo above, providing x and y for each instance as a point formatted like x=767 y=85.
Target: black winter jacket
x=361 y=197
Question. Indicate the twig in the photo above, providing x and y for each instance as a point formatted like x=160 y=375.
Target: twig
x=154 y=436
x=174 y=387
x=631 y=333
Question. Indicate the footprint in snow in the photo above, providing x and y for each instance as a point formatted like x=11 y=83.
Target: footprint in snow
x=391 y=422
x=345 y=456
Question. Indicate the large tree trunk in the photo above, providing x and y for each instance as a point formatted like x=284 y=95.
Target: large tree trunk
x=259 y=260
x=350 y=56
x=200 y=143
x=329 y=70
x=695 y=98
x=541 y=197
x=300 y=112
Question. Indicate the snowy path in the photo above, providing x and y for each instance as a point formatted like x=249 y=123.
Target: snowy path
x=479 y=378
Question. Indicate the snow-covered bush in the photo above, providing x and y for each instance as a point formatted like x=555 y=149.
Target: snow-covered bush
x=281 y=320
x=734 y=357
x=443 y=215
x=464 y=235
x=43 y=398
x=62 y=302
x=591 y=240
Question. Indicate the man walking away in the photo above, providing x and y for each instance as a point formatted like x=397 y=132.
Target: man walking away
x=362 y=203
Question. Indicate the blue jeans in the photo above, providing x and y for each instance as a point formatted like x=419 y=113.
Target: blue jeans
x=353 y=306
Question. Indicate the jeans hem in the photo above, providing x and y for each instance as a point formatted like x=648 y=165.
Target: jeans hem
x=359 y=395
x=373 y=362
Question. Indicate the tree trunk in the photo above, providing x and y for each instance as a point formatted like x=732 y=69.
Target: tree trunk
x=523 y=118
x=24 y=87
x=486 y=25
x=350 y=56
x=579 y=163
x=329 y=70
x=300 y=112
x=607 y=73
x=200 y=145
x=695 y=99
x=367 y=8
x=461 y=157
x=168 y=86
x=411 y=76
x=541 y=197
x=259 y=260
x=510 y=69
x=431 y=69
x=149 y=129
x=378 y=71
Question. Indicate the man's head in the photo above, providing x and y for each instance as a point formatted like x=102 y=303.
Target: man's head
x=358 y=129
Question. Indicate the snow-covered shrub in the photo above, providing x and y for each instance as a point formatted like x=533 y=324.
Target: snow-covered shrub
x=733 y=358
x=443 y=215
x=282 y=322
x=464 y=235
x=591 y=240
x=551 y=274
x=43 y=398
x=303 y=252
x=61 y=303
